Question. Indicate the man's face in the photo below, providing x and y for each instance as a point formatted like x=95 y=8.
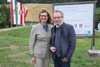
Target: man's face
x=43 y=17
x=57 y=18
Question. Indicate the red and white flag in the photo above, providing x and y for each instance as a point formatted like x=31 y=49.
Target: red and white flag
x=18 y=17
x=20 y=13
x=13 y=4
x=26 y=11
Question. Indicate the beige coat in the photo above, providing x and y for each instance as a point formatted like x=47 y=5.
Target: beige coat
x=39 y=41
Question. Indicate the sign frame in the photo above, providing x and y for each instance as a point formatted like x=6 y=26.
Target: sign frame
x=83 y=2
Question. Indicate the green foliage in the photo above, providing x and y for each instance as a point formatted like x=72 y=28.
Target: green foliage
x=3 y=1
x=97 y=20
x=4 y=16
x=98 y=10
x=14 y=50
x=49 y=1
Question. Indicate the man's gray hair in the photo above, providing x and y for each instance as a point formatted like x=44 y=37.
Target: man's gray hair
x=56 y=11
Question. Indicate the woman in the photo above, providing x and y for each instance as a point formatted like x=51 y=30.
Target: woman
x=39 y=40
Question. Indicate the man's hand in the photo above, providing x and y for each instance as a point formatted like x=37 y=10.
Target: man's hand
x=53 y=49
x=64 y=59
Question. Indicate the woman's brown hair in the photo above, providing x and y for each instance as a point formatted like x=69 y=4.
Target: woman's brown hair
x=49 y=17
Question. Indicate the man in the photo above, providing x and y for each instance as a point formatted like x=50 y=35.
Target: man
x=63 y=41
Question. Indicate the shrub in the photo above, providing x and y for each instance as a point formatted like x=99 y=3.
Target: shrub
x=4 y=16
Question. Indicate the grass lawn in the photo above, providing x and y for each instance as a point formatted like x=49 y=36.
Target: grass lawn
x=14 y=50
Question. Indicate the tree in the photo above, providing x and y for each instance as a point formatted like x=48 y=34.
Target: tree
x=4 y=16
x=3 y=1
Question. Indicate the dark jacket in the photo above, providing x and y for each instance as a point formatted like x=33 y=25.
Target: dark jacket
x=67 y=40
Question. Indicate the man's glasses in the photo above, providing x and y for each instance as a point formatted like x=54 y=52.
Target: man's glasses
x=57 y=17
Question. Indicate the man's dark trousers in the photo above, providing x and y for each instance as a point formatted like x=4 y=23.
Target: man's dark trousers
x=59 y=63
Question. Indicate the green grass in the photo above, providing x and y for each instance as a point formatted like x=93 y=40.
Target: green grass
x=14 y=50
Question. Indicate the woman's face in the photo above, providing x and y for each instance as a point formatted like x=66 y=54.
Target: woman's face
x=43 y=17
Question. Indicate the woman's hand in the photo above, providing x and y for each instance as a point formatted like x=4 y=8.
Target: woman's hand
x=33 y=59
